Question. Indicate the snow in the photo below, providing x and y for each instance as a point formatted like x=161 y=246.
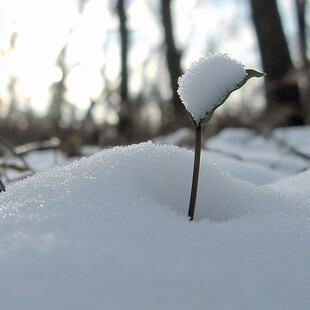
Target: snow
x=207 y=82
x=274 y=152
x=111 y=232
x=296 y=184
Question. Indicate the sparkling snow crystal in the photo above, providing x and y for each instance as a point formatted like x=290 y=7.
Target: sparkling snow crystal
x=207 y=82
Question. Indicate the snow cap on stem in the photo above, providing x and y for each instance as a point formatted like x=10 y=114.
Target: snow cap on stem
x=208 y=82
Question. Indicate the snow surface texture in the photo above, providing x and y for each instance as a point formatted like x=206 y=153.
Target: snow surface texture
x=206 y=83
x=274 y=153
x=111 y=232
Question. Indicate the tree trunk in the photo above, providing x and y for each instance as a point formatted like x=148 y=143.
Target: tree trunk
x=281 y=92
x=124 y=124
x=173 y=56
x=59 y=90
x=301 y=6
x=301 y=9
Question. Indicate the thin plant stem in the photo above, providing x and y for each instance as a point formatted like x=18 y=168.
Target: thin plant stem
x=2 y=187
x=192 y=203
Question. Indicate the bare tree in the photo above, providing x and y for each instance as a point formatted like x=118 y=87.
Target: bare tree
x=125 y=122
x=59 y=90
x=301 y=9
x=173 y=55
x=282 y=92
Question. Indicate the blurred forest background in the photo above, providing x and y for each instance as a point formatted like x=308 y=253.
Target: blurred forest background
x=105 y=72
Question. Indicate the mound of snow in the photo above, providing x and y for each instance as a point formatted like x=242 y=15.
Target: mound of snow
x=295 y=184
x=111 y=232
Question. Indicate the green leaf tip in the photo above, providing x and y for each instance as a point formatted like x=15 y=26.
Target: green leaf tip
x=254 y=73
x=250 y=73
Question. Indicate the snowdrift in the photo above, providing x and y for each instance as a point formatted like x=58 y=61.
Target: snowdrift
x=111 y=232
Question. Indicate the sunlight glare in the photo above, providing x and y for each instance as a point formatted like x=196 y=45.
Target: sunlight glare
x=83 y=84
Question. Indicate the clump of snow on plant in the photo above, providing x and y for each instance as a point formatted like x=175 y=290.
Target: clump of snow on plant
x=207 y=82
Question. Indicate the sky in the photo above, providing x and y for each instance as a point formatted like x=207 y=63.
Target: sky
x=43 y=27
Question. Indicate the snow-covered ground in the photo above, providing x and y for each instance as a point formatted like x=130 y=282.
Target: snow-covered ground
x=111 y=231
